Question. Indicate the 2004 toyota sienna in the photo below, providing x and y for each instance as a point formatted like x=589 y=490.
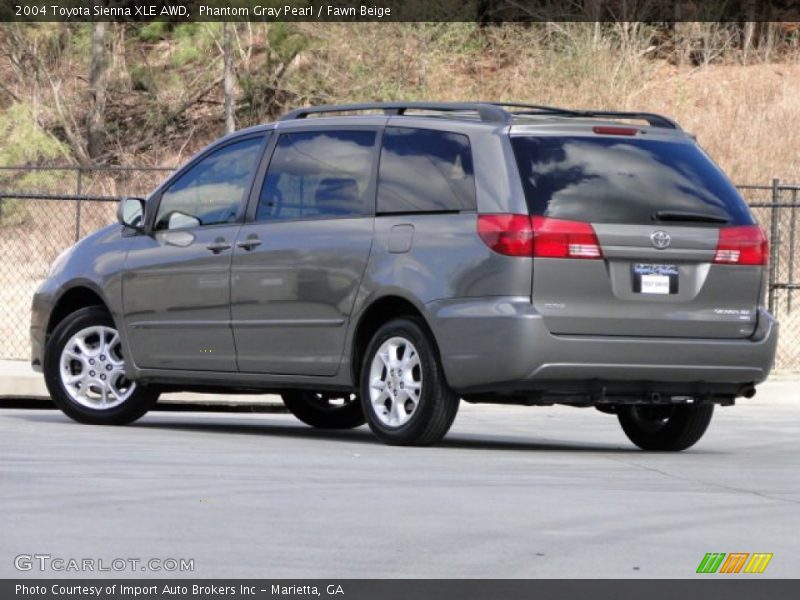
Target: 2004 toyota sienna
x=383 y=262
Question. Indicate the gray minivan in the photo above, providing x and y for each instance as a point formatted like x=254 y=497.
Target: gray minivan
x=383 y=262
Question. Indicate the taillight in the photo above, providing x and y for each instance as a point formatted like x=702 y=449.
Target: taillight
x=507 y=234
x=745 y=245
x=521 y=235
x=556 y=238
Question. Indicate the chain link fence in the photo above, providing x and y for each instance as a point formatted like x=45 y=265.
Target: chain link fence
x=776 y=208
x=70 y=202
x=35 y=226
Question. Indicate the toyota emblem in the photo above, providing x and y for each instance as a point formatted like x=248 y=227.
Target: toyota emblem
x=660 y=239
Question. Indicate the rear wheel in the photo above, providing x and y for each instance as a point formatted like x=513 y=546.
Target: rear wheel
x=665 y=428
x=405 y=396
x=85 y=373
x=325 y=411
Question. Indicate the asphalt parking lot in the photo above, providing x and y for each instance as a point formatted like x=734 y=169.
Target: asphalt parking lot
x=511 y=492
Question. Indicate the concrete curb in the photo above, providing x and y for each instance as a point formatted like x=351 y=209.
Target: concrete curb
x=19 y=380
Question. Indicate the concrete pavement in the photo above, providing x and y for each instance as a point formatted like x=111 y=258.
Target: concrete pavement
x=511 y=492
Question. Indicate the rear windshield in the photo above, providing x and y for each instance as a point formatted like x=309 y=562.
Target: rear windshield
x=628 y=181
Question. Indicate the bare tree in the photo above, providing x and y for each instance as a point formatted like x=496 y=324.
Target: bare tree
x=98 y=83
x=748 y=35
x=227 y=84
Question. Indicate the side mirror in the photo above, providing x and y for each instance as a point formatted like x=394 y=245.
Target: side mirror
x=130 y=213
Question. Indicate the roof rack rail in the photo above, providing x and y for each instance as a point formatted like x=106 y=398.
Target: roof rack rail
x=536 y=107
x=488 y=113
x=652 y=119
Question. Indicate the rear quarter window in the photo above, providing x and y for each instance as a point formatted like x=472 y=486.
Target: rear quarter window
x=622 y=180
x=425 y=171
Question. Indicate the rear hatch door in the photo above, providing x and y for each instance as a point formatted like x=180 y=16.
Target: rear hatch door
x=679 y=254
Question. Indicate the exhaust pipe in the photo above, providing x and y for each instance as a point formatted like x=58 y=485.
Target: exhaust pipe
x=749 y=391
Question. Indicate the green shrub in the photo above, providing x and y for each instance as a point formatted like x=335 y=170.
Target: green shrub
x=24 y=141
x=12 y=213
x=153 y=32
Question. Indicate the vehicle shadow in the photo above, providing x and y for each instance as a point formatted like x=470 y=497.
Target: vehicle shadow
x=289 y=429
x=362 y=435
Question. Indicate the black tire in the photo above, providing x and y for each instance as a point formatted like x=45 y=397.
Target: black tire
x=325 y=411
x=670 y=428
x=437 y=404
x=141 y=398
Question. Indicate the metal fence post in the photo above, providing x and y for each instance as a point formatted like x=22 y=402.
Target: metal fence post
x=792 y=245
x=78 y=205
x=774 y=242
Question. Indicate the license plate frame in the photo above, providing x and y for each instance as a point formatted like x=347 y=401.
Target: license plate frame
x=653 y=274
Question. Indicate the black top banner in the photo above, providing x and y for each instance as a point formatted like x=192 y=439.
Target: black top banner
x=485 y=11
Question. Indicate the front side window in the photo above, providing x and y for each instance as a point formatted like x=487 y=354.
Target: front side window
x=318 y=174
x=211 y=191
x=424 y=170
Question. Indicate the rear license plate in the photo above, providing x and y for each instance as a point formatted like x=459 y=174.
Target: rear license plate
x=655 y=279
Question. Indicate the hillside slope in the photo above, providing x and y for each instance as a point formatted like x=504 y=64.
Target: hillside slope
x=165 y=95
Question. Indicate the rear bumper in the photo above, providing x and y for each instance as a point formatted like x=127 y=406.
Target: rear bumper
x=501 y=344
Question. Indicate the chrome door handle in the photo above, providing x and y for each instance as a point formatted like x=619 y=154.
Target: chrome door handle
x=249 y=243
x=219 y=245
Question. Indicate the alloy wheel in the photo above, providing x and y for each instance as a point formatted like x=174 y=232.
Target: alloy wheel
x=395 y=381
x=92 y=369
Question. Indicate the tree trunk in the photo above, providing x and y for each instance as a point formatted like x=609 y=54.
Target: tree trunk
x=98 y=82
x=227 y=84
x=747 y=40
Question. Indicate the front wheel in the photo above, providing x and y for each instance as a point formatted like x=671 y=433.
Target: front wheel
x=665 y=428
x=85 y=373
x=325 y=411
x=405 y=396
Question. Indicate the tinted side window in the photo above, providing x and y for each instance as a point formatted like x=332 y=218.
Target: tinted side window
x=423 y=170
x=626 y=181
x=318 y=174
x=211 y=191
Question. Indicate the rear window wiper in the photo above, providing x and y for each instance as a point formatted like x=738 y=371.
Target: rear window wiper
x=688 y=216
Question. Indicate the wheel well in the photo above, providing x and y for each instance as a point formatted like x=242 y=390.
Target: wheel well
x=72 y=300
x=378 y=313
